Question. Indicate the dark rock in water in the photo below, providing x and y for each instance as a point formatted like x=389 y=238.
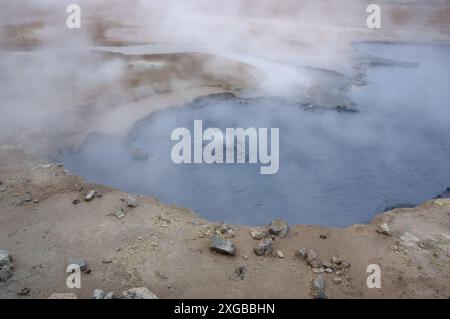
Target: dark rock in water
x=318 y=288
x=6 y=266
x=139 y=154
x=264 y=248
x=398 y=206
x=222 y=246
x=445 y=194
x=279 y=228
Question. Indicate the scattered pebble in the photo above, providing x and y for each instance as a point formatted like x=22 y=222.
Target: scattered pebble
x=132 y=202
x=90 y=195
x=318 y=288
x=24 y=292
x=80 y=263
x=138 y=293
x=279 y=228
x=384 y=229
x=280 y=254
x=6 y=266
x=264 y=248
x=98 y=294
x=119 y=213
x=258 y=233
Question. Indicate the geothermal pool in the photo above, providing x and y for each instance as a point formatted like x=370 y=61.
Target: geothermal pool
x=336 y=168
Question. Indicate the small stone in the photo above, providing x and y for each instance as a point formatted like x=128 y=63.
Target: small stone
x=264 y=248
x=98 y=294
x=131 y=202
x=110 y=295
x=24 y=292
x=239 y=273
x=70 y=295
x=90 y=195
x=345 y=265
x=319 y=270
x=337 y=280
x=245 y=257
x=76 y=201
x=336 y=260
x=138 y=293
x=258 y=233
x=27 y=198
x=279 y=228
x=312 y=259
x=280 y=254
x=119 y=213
x=318 y=288
x=302 y=253
x=36 y=201
x=328 y=270
x=80 y=263
x=107 y=261
x=323 y=236
x=222 y=246
x=6 y=266
x=327 y=265
x=384 y=229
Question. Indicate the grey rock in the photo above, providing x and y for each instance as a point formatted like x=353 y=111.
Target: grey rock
x=384 y=229
x=312 y=259
x=225 y=230
x=222 y=246
x=98 y=294
x=318 y=288
x=239 y=273
x=90 y=195
x=119 y=213
x=80 y=263
x=27 y=198
x=110 y=295
x=6 y=266
x=258 y=233
x=138 y=293
x=302 y=253
x=264 y=248
x=337 y=280
x=336 y=260
x=279 y=228
x=131 y=202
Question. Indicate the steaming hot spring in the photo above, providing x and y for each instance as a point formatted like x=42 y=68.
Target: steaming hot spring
x=347 y=150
